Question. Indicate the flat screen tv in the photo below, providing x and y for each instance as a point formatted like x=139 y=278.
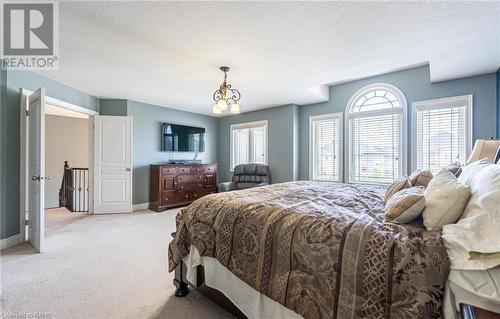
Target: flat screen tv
x=180 y=138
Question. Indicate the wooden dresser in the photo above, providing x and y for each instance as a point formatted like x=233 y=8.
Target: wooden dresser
x=173 y=185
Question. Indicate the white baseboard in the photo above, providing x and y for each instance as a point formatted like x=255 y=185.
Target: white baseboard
x=143 y=206
x=11 y=241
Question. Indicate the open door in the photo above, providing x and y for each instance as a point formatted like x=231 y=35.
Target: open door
x=36 y=169
x=112 y=164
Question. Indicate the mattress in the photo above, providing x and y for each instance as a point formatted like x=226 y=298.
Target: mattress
x=252 y=303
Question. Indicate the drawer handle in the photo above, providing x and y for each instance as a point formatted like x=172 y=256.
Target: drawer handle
x=186 y=196
x=199 y=185
x=195 y=195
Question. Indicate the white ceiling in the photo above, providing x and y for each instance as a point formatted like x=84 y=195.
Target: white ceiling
x=168 y=53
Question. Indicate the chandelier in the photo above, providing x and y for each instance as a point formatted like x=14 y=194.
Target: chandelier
x=226 y=98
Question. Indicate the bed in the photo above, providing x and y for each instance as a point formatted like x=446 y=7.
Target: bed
x=310 y=250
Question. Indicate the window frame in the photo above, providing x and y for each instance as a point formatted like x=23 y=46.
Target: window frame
x=312 y=118
x=366 y=114
x=434 y=104
x=248 y=125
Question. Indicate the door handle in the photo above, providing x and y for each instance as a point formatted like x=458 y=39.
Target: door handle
x=128 y=169
x=39 y=178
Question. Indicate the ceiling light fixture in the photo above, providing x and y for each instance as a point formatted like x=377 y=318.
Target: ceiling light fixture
x=226 y=98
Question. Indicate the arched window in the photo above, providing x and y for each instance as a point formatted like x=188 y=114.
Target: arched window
x=376 y=117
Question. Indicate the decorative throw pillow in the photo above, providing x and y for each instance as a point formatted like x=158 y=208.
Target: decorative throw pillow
x=421 y=178
x=413 y=176
x=455 y=168
x=396 y=186
x=445 y=200
x=405 y=205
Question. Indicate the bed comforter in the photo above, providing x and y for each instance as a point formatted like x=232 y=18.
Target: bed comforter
x=320 y=249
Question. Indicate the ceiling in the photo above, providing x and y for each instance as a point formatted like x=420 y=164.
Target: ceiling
x=168 y=53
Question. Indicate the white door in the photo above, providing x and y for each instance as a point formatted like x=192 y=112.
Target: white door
x=36 y=169
x=112 y=164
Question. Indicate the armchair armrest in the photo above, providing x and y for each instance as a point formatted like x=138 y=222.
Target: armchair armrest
x=226 y=187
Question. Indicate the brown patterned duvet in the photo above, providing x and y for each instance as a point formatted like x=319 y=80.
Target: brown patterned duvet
x=320 y=249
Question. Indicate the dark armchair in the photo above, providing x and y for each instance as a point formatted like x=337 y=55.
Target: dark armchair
x=247 y=176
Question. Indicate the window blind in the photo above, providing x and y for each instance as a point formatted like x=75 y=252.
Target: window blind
x=326 y=141
x=441 y=136
x=249 y=143
x=376 y=148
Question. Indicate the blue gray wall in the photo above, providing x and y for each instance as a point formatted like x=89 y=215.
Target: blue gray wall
x=415 y=84
x=282 y=128
x=147 y=120
x=112 y=107
x=12 y=83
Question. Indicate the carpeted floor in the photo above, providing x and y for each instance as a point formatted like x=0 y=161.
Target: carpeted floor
x=56 y=218
x=104 y=266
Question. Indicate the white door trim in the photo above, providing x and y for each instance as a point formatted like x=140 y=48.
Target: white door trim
x=62 y=104
x=24 y=93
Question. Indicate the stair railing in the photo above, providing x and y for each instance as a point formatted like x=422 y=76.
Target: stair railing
x=74 y=191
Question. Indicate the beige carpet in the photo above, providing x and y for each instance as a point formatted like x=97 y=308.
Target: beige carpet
x=108 y=266
x=56 y=218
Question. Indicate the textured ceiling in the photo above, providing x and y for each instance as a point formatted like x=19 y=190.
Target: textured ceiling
x=168 y=53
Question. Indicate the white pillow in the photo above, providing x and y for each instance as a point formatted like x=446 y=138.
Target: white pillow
x=471 y=170
x=445 y=200
x=474 y=241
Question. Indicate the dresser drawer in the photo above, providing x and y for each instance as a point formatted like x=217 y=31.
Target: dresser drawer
x=189 y=186
x=197 y=170
x=184 y=169
x=168 y=198
x=174 y=197
x=185 y=179
x=199 y=178
x=168 y=171
x=167 y=183
x=200 y=193
x=209 y=169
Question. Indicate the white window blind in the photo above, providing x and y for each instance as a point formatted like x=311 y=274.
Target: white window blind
x=442 y=132
x=249 y=143
x=376 y=148
x=325 y=144
x=376 y=115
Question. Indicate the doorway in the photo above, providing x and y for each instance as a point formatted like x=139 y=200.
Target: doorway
x=109 y=165
x=53 y=132
x=67 y=147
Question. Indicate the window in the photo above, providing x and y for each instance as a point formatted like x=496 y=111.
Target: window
x=377 y=133
x=248 y=143
x=325 y=147
x=442 y=132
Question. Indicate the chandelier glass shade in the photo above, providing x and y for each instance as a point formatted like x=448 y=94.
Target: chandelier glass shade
x=226 y=98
